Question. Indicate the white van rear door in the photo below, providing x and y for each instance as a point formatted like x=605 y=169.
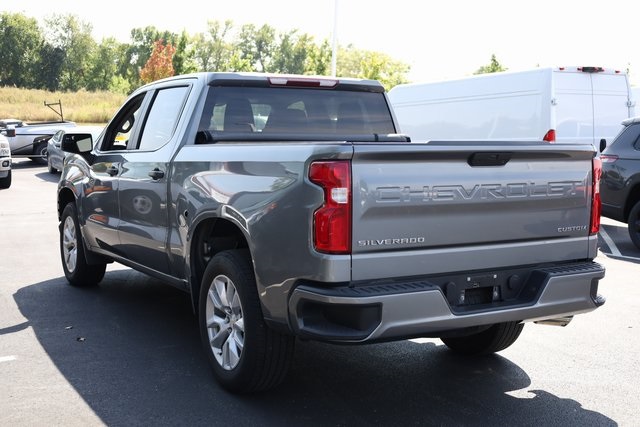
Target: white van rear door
x=573 y=104
x=610 y=105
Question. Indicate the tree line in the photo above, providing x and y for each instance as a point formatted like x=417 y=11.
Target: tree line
x=62 y=55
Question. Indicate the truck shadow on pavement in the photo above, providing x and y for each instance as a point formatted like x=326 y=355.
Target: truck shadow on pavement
x=614 y=242
x=131 y=350
x=49 y=177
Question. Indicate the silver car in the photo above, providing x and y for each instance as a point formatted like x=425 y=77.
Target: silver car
x=55 y=155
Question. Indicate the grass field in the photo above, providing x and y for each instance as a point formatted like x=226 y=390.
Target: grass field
x=80 y=107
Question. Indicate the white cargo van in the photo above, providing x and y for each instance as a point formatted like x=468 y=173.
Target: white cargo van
x=563 y=104
x=635 y=96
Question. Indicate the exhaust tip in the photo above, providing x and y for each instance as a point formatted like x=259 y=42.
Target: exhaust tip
x=559 y=321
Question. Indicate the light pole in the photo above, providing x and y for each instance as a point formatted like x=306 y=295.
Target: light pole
x=334 y=48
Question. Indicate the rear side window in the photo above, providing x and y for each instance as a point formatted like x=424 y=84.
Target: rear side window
x=163 y=117
x=627 y=139
x=258 y=112
x=634 y=135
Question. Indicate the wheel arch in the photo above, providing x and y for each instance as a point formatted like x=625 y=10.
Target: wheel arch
x=632 y=198
x=65 y=196
x=210 y=236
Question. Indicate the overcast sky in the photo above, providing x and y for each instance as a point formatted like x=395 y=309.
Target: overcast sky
x=439 y=40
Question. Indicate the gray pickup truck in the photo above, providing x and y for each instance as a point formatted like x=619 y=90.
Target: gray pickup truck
x=288 y=206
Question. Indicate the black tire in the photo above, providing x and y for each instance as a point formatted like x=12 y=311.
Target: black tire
x=41 y=150
x=496 y=338
x=6 y=181
x=633 y=224
x=52 y=170
x=76 y=269
x=229 y=290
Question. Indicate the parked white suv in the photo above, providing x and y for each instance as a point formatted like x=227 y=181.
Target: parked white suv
x=5 y=162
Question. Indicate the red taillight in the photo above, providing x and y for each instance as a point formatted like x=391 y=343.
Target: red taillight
x=608 y=158
x=596 y=203
x=332 y=221
x=550 y=136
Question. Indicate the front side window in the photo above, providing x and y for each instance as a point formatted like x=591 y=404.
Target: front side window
x=121 y=128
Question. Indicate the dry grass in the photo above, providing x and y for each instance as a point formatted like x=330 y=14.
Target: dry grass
x=80 y=107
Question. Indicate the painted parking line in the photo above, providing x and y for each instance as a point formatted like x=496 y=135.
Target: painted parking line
x=609 y=248
x=7 y=358
x=609 y=241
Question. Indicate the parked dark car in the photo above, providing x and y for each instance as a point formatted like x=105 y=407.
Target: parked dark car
x=620 y=183
x=55 y=155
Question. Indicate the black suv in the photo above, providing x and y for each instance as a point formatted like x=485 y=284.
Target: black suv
x=620 y=183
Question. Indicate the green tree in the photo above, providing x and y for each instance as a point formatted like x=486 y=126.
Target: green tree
x=255 y=47
x=493 y=67
x=183 y=62
x=319 y=59
x=73 y=37
x=292 y=53
x=366 y=64
x=104 y=64
x=49 y=67
x=212 y=51
x=64 y=56
x=20 y=44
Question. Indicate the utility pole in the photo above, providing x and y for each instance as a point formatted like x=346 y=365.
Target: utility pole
x=334 y=50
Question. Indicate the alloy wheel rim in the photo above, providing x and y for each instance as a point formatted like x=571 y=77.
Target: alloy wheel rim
x=69 y=244
x=225 y=322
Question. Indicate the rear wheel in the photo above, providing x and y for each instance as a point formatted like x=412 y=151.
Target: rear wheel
x=633 y=224
x=76 y=269
x=244 y=353
x=6 y=181
x=40 y=150
x=496 y=338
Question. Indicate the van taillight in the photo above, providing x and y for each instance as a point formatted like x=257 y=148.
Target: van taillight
x=550 y=136
x=332 y=221
x=596 y=202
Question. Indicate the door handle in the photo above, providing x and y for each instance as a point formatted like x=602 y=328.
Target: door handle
x=112 y=171
x=156 y=174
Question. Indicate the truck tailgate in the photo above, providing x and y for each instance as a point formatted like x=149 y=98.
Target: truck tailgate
x=438 y=207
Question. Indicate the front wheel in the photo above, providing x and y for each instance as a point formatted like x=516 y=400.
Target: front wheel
x=50 y=166
x=244 y=353
x=76 y=269
x=633 y=224
x=491 y=340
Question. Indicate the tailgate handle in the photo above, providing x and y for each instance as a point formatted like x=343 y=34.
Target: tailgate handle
x=489 y=159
